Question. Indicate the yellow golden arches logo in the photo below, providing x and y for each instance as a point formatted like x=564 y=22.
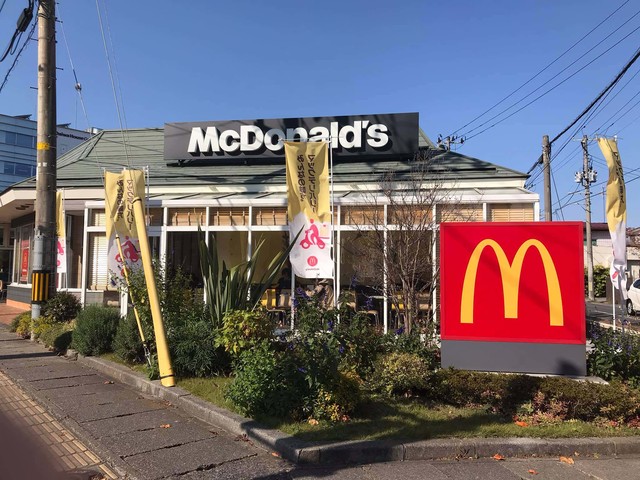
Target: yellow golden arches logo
x=510 y=274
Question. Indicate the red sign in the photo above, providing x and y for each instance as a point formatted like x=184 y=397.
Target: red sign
x=512 y=282
x=24 y=266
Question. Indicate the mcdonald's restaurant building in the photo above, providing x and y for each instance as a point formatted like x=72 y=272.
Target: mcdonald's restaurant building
x=229 y=178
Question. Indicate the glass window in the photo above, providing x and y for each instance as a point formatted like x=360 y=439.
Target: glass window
x=25 y=140
x=636 y=284
x=98 y=272
x=9 y=168
x=10 y=138
x=23 y=170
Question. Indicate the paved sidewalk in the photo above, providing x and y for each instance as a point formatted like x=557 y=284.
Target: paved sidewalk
x=8 y=313
x=133 y=426
x=69 y=454
x=137 y=436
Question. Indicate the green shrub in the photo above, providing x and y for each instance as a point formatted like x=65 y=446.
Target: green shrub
x=393 y=342
x=95 y=329
x=22 y=324
x=336 y=404
x=56 y=336
x=194 y=349
x=400 y=374
x=190 y=334
x=15 y=322
x=550 y=398
x=242 y=330
x=267 y=383
x=127 y=344
x=600 y=276
x=614 y=355
x=359 y=342
x=62 y=307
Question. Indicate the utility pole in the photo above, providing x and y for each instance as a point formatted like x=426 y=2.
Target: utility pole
x=44 y=239
x=586 y=177
x=546 y=166
x=450 y=140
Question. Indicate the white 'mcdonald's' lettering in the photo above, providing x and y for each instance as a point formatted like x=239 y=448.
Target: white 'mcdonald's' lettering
x=251 y=138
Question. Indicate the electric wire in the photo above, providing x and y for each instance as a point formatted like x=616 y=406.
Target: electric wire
x=25 y=18
x=113 y=86
x=78 y=86
x=604 y=105
x=618 y=111
x=17 y=57
x=541 y=71
x=466 y=134
x=115 y=66
x=555 y=187
x=591 y=105
x=549 y=90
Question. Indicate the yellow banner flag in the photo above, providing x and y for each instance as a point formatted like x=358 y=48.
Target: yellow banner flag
x=616 y=208
x=309 y=208
x=120 y=190
x=60 y=223
x=61 y=241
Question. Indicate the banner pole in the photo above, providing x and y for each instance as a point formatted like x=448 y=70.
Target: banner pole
x=622 y=303
x=333 y=237
x=167 y=378
x=613 y=306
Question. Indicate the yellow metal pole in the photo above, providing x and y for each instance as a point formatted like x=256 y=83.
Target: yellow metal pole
x=164 y=360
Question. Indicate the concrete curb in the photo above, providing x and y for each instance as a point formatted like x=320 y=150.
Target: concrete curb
x=358 y=452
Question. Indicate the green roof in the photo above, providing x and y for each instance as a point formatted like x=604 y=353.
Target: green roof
x=83 y=165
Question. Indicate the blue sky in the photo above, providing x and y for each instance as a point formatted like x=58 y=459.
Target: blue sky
x=449 y=61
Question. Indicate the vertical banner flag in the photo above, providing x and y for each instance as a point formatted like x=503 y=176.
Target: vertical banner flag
x=616 y=213
x=309 y=208
x=120 y=190
x=61 y=241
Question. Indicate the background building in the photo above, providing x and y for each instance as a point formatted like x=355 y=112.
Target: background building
x=18 y=162
x=240 y=197
x=18 y=147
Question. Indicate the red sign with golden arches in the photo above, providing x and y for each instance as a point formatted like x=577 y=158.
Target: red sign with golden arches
x=512 y=282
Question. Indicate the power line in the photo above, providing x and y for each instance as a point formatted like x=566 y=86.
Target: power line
x=549 y=80
x=543 y=70
x=78 y=85
x=590 y=106
x=547 y=91
x=604 y=105
x=17 y=57
x=21 y=26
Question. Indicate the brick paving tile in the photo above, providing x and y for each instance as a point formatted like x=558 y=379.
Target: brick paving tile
x=69 y=452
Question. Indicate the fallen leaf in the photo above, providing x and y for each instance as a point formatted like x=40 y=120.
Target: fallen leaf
x=521 y=424
x=567 y=460
x=165 y=425
x=532 y=471
x=498 y=457
x=275 y=454
x=108 y=382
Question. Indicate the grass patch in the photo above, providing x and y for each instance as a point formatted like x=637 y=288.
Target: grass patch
x=136 y=367
x=414 y=420
x=209 y=389
x=408 y=419
x=400 y=419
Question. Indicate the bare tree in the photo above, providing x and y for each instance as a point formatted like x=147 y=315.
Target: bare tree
x=402 y=249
